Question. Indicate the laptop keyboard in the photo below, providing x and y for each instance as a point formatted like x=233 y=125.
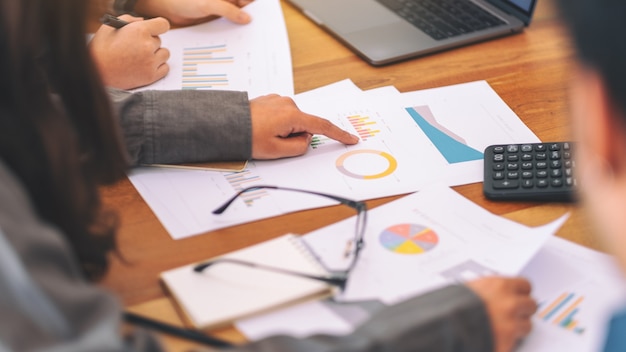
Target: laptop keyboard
x=443 y=19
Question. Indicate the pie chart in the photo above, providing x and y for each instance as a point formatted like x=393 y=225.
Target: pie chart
x=409 y=239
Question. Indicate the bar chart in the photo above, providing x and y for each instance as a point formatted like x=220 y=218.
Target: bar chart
x=243 y=179
x=562 y=312
x=365 y=126
x=206 y=67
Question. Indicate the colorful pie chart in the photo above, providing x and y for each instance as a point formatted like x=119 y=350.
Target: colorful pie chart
x=409 y=239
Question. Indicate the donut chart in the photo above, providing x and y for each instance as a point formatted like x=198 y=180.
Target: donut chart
x=391 y=163
x=409 y=239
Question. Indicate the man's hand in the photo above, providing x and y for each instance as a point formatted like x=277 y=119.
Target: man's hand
x=187 y=12
x=280 y=129
x=509 y=306
x=132 y=56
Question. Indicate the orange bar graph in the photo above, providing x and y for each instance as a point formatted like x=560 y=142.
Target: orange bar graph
x=364 y=126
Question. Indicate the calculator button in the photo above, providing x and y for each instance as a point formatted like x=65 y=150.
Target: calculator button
x=527 y=174
x=566 y=146
x=527 y=166
x=556 y=182
x=513 y=148
x=498 y=167
x=527 y=148
x=512 y=174
x=555 y=164
x=542 y=173
x=512 y=157
x=540 y=147
x=555 y=155
x=569 y=181
x=508 y=184
x=542 y=183
x=498 y=157
x=541 y=165
x=555 y=146
x=527 y=183
x=512 y=166
x=498 y=149
x=556 y=173
x=527 y=157
x=540 y=156
x=498 y=175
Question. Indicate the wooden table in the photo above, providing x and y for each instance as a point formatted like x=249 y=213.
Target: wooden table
x=528 y=70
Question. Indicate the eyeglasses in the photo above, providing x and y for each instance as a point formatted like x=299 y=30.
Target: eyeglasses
x=338 y=278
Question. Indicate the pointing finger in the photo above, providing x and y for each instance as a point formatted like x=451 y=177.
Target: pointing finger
x=318 y=125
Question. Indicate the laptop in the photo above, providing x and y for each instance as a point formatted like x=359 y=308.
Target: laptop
x=386 y=31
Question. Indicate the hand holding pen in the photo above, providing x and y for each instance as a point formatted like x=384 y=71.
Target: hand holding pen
x=128 y=52
x=113 y=21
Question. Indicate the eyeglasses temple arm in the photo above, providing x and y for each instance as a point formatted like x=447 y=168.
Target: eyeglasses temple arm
x=335 y=281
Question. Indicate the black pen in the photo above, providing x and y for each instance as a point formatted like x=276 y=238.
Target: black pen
x=188 y=334
x=112 y=21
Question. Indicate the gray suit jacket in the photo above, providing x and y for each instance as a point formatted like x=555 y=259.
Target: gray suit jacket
x=46 y=304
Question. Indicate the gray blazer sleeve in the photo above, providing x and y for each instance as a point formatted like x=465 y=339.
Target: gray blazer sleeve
x=451 y=319
x=184 y=126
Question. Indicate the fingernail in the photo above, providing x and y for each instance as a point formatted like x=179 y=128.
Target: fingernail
x=243 y=17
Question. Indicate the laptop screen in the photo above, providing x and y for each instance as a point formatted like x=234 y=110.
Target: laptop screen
x=524 y=5
x=522 y=9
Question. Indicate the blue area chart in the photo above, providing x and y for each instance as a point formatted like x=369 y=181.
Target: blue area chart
x=452 y=147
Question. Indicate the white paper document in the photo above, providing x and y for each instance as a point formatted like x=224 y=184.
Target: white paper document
x=577 y=290
x=400 y=151
x=418 y=243
x=428 y=239
x=222 y=55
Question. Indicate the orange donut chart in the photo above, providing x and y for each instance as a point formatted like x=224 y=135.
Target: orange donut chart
x=393 y=164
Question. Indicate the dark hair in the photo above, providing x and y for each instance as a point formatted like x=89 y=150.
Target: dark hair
x=57 y=131
x=597 y=27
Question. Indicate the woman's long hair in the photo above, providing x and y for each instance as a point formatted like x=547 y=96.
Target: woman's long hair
x=57 y=131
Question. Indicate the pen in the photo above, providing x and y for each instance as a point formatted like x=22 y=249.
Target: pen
x=112 y=21
x=175 y=330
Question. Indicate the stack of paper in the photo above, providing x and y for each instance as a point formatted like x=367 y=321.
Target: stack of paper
x=408 y=141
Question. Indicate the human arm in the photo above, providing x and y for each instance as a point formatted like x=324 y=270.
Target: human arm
x=186 y=12
x=45 y=301
x=449 y=319
x=132 y=56
x=199 y=126
x=489 y=314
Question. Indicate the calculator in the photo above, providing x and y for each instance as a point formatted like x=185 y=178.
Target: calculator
x=530 y=172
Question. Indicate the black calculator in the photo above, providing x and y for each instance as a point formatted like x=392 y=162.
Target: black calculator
x=530 y=172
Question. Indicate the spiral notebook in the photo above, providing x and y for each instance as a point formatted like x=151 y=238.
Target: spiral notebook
x=225 y=292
